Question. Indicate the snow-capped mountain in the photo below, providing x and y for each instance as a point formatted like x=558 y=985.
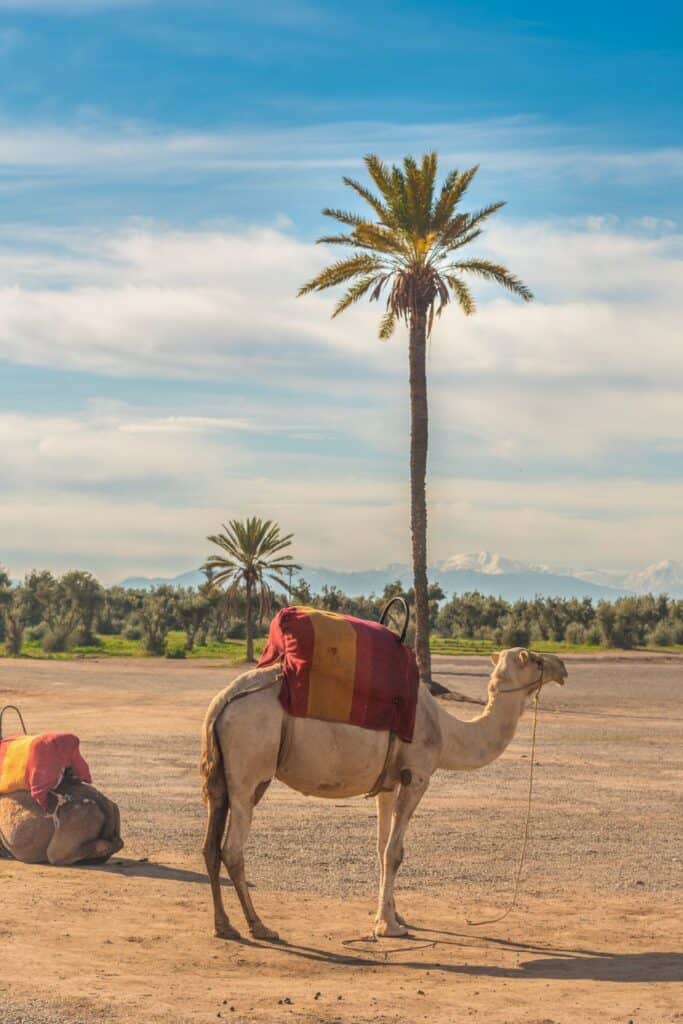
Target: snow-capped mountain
x=487 y=572
x=493 y=564
x=661 y=578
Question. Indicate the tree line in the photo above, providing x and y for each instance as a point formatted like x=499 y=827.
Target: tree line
x=62 y=612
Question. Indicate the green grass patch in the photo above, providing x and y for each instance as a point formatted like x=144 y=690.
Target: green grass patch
x=232 y=651
x=455 y=646
x=447 y=645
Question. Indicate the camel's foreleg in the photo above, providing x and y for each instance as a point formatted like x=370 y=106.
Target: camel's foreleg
x=385 y=809
x=77 y=835
x=409 y=796
x=241 y=813
x=112 y=818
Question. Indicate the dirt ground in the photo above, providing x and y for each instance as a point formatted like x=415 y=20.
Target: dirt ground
x=596 y=935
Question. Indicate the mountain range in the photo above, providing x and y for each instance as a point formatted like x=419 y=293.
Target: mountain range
x=489 y=573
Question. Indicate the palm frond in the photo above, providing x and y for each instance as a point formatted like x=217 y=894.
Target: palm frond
x=337 y=240
x=351 y=219
x=462 y=293
x=473 y=219
x=355 y=292
x=341 y=271
x=498 y=273
x=387 y=325
x=382 y=177
x=461 y=240
x=381 y=238
x=382 y=211
x=451 y=196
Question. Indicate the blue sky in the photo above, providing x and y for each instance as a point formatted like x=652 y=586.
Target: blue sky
x=162 y=169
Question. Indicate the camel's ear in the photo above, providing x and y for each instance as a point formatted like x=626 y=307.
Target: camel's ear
x=495 y=658
x=522 y=658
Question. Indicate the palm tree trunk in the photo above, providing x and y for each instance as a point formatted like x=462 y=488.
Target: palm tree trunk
x=419 y=431
x=419 y=437
x=249 y=622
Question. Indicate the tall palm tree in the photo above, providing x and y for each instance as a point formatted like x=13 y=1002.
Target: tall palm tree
x=252 y=555
x=408 y=254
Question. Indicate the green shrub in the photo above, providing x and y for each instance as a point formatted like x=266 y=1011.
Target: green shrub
x=176 y=652
x=132 y=630
x=662 y=635
x=56 y=640
x=514 y=633
x=575 y=633
x=37 y=632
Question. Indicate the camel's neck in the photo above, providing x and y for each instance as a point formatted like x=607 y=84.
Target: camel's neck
x=467 y=745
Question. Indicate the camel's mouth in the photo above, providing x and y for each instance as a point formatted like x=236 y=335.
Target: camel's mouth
x=554 y=669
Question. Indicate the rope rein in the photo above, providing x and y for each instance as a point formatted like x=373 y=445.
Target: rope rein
x=525 y=839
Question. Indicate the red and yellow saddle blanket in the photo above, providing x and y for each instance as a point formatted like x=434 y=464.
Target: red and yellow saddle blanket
x=37 y=763
x=341 y=669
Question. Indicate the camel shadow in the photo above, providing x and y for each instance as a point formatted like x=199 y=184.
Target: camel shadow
x=554 y=964
x=624 y=967
x=144 y=868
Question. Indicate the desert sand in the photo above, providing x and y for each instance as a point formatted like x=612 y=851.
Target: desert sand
x=596 y=935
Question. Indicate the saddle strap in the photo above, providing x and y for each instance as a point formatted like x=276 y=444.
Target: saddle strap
x=380 y=782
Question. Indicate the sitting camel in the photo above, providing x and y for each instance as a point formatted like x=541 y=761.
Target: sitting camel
x=248 y=742
x=82 y=825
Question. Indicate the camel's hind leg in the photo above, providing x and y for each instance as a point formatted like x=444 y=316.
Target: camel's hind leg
x=241 y=813
x=249 y=732
x=217 y=807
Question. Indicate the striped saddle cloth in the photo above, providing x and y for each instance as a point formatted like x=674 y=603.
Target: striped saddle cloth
x=38 y=763
x=341 y=669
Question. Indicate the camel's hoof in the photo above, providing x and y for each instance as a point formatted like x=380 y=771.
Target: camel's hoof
x=390 y=930
x=226 y=931
x=259 y=931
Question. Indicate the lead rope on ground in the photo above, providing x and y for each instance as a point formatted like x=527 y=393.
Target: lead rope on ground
x=515 y=894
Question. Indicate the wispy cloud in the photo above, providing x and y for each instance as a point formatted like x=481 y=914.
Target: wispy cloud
x=512 y=145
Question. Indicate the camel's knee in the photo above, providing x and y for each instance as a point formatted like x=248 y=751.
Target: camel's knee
x=232 y=855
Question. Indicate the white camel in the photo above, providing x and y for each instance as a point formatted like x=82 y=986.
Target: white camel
x=248 y=742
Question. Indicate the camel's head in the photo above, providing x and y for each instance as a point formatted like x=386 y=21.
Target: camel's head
x=520 y=669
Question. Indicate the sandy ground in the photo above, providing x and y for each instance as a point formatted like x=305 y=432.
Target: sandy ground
x=596 y=936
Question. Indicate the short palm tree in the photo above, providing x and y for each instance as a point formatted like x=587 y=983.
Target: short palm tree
x=252 y=555
x=408 y=254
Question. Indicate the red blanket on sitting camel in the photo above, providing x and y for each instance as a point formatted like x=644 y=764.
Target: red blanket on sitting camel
x=341 y=669
x=37 y=763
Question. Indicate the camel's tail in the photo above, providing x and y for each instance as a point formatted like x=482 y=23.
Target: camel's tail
x=213 y=786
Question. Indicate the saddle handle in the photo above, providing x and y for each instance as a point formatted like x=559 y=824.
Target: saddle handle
x=406 y=614
x=13 y=707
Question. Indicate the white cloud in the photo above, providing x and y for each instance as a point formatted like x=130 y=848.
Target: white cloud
x=595 y=363
x=176 y=304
